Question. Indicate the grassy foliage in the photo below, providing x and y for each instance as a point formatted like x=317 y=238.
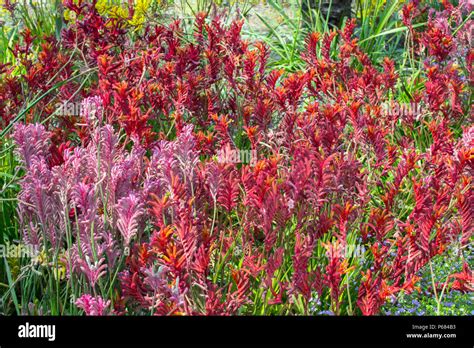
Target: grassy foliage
x=314 y=103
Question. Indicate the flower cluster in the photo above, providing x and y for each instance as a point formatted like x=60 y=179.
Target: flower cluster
x=133 y=197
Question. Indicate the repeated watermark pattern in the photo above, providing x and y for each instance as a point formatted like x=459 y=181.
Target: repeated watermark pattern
x=10 y=250
x=228 y=155
x=403 y=110
x=66 y=108
x=347 y=251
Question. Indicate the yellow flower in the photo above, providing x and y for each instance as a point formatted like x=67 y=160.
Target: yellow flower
x=69 y=15
x=14 y=265
x=59 y=271
x=140 y=10
x=107 y=8
x=41 y=258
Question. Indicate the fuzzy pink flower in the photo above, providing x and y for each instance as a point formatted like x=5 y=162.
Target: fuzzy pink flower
x=91 y=110
x=129 y=210
x=93 y=270
x=92 y=305
x=32 y=141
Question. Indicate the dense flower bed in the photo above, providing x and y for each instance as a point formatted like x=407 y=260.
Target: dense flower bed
x=192 y=179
